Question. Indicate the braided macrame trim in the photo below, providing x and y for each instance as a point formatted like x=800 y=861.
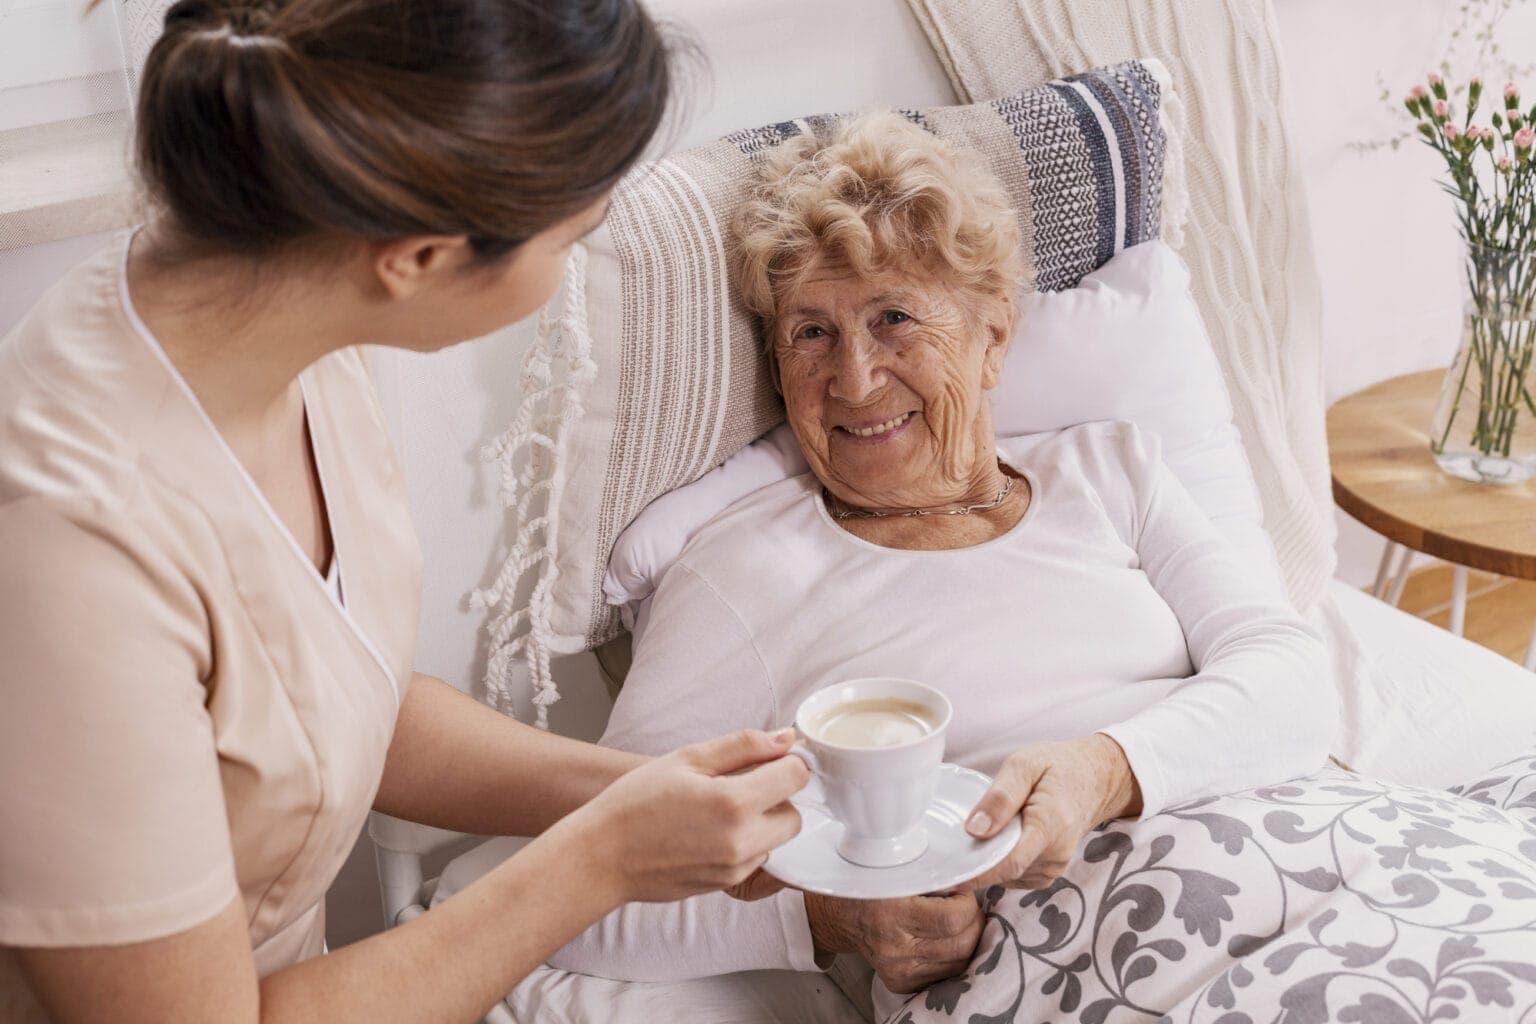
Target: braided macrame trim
x=557 y=372
x=1175 y=177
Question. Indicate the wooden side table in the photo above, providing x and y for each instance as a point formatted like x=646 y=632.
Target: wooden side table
x=1384 y=476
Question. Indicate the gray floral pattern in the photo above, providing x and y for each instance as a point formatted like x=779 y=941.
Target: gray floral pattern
x=1333 y=897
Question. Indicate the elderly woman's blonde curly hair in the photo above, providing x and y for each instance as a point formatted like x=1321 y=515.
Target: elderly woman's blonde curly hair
x=881 y=194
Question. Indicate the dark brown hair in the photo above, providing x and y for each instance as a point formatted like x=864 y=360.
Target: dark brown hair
x=265 y=123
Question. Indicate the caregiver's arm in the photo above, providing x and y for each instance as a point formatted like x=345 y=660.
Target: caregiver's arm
x=458 y=764
x=674 y=827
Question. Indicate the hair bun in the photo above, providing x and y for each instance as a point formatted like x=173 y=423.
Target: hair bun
x=239 y=18
x=251 y=18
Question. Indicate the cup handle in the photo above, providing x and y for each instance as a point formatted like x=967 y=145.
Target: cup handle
x=814 y=795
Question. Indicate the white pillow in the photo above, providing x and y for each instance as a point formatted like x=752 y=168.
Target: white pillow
x=1127 y=344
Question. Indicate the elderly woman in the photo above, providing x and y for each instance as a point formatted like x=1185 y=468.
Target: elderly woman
x=1107 y=653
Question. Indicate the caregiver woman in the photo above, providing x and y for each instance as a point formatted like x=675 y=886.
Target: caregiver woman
x=208 y=567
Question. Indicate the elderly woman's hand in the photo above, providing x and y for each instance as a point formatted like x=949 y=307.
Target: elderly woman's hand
x=910 y=942
x=1060 y=790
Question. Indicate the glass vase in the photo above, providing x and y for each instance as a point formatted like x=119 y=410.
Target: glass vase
x=1485 y=423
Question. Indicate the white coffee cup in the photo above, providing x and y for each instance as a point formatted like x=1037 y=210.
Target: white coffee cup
x=877 y=792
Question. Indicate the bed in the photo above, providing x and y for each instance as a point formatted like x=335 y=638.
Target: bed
x=1419 y=705
x=1421 y=708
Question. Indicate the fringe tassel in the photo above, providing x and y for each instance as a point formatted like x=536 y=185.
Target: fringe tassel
x=557 y=372
x=1175 y=178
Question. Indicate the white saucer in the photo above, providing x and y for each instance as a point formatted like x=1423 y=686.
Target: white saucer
x=810 y=861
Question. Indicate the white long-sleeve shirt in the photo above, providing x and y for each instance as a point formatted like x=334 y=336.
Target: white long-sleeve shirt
x=1112 y=606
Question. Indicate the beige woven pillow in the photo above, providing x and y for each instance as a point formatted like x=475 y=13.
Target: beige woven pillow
x=654 y=373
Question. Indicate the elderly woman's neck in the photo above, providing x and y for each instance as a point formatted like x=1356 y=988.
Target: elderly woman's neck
x=972 y=478
x=995 y=499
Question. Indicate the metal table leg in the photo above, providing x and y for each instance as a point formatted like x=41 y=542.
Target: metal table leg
x=1404 y=566
x=1384 y=570
x=1459 y=600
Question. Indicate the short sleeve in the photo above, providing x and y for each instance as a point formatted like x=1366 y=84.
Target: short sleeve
x=112 y=808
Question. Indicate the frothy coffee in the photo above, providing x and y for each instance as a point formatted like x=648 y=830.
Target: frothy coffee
x=882 y=722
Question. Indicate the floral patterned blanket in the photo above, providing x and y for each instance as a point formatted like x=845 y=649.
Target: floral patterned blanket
x=1330 y=898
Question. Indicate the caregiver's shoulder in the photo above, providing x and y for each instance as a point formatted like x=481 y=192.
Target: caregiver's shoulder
x=74 y=390
x=81 y=495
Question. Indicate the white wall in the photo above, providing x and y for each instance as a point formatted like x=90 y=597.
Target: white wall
x=1386 y=246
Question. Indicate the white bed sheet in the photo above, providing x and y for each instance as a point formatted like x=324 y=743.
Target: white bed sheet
x=1417 y=704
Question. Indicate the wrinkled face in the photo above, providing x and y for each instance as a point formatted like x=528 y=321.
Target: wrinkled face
x=885 y=383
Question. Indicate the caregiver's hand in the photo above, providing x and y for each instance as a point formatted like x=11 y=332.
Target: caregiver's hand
x=1061 y=790
x=911 y=943
x=702 y=818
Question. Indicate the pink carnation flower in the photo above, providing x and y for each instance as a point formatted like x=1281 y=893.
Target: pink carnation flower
x=1525 y=138
x=1434 y=78
x=1477 y=80
x=1504 y=164
x=1442 y=109
x=1418 y=92
x=1511 y=91
x=1451 y=131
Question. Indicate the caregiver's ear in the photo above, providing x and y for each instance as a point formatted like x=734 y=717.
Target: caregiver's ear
x=999 y=327
x=405 y=266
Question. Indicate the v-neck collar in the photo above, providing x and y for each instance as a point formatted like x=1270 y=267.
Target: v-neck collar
x=147 y=336
x=332 y=572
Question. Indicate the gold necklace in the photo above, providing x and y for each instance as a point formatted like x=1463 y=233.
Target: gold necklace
x=964 y=510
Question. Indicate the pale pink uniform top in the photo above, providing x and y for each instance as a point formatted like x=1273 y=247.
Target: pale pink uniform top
x=187 y=714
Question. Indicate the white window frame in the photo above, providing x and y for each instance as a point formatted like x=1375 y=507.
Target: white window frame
x=64 y=121
x=58 y=62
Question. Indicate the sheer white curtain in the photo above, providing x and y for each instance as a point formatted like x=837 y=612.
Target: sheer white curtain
x=139 y=22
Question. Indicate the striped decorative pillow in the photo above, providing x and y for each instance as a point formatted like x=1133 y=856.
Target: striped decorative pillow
x=654 y=374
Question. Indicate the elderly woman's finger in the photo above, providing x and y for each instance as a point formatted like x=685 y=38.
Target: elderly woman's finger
x=1006 y=797
x=758 y=885
x=945 y=917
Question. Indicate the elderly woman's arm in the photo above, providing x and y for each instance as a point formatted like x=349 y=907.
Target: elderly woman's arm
x=1259 y=708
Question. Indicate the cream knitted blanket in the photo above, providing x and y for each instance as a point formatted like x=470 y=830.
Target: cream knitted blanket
x=1246 y=237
